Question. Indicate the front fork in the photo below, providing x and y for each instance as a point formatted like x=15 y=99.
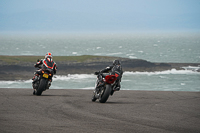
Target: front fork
x=98 y=87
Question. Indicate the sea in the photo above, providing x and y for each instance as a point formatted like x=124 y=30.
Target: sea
x=153 y=47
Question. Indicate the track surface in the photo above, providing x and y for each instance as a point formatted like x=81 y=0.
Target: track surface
x=70 y=111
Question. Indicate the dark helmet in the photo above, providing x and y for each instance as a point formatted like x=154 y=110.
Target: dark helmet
x=116 y=62
x=48 y=55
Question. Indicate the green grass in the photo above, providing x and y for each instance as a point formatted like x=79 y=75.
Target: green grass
x=83 y=58
x=18 y=59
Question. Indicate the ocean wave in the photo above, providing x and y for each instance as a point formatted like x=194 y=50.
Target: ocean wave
x=126 y=73
x=117 y=53
x=132 y=57
x=193 y=68
x=171 y=80
x=92 y=76
x=74 y=76
x=172 y=71
x=15 y=82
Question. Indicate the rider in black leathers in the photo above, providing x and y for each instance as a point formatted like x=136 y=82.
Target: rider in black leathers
x=115 y=69
x=48 y=63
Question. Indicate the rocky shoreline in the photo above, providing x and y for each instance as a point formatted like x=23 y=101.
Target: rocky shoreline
x=23 y=70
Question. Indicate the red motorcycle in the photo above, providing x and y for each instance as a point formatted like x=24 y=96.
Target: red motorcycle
x=104 y=87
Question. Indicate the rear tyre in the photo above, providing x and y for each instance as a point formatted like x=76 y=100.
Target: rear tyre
x=42 y=86
x=104 y=96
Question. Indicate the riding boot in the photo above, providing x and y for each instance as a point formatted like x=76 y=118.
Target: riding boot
x=34 y=92
x=118 y=87
x=49 y=84
x=35 y=78
x=112 y=92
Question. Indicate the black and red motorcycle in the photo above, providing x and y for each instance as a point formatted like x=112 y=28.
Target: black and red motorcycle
x=42 y=82
x=104 y=87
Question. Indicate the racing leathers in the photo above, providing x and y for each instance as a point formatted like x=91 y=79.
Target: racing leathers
x=46 y=63
x=114 y=70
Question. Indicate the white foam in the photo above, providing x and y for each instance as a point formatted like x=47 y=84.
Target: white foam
x=182 y=83
x=87 y=88
x=74 y=76
x=172 y=71
x=193 y=68
x=132 y=57
x=141 y=51
x=115 y=53
x=16 y=84
x=130 y=54
x=163 y=77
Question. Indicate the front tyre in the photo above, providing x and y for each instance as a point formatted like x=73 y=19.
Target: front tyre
x=104 y=96
x=34 y=92
x=94 y=96
x=42 y=87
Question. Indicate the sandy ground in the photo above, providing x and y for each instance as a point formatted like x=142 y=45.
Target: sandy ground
x=71 y=111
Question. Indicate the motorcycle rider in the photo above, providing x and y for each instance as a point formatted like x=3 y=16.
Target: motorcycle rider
x=48 y=63
x=115 y=69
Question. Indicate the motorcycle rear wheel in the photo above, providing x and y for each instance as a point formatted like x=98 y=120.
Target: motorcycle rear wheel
x=104 y=96
x=42 y=87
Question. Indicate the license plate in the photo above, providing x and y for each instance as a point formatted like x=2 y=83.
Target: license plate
x=45 y=75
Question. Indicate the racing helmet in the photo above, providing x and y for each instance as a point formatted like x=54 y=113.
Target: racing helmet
x=48 y=55
x=116 y=62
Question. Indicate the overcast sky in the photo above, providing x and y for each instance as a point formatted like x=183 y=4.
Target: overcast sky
x=99 y=15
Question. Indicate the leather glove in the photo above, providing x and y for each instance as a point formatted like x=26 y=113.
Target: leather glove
x=96 y=73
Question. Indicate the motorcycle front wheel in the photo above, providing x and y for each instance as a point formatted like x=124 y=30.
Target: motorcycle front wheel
x=94 y=98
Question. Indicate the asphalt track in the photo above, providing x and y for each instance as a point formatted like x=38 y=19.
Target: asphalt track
x=71 y=111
